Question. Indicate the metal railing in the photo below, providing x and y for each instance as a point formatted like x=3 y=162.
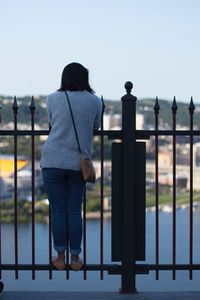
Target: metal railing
x=128 y=268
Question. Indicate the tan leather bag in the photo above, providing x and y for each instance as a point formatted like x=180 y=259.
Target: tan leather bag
x=88 y=170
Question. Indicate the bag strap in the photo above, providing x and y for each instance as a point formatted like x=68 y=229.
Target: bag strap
x=70 y=108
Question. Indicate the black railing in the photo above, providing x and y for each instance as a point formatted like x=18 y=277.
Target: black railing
x=128 y=198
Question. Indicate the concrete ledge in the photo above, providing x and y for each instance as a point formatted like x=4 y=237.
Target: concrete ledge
x=99 y=296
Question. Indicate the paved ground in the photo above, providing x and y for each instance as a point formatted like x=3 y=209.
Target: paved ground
x=99 y=296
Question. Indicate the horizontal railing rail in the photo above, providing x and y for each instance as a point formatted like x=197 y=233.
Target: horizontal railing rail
x=111 y=134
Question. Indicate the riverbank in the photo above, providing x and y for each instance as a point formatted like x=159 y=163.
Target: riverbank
x=42 y=208
x=169 y=208
x=161 y=208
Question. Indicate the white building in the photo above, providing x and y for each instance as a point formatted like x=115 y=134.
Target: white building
x=139 y=121
x=115 y=121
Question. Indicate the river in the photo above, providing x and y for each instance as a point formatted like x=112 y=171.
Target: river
x=110 y=282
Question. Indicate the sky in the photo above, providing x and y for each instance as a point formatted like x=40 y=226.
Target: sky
x=153 y=43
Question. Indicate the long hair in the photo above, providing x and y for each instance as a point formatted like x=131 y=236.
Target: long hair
x=75 y=77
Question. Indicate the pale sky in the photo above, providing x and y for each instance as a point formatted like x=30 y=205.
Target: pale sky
x=153 y=43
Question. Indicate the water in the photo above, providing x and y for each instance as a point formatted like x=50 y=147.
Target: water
x=110 y=282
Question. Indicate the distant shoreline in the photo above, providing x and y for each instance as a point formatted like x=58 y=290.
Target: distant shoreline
x=97 y=214
x=169 y=208
x=165 y=208
x=162 y=208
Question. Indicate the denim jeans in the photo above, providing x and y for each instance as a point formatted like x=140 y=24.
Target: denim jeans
x=64 y=190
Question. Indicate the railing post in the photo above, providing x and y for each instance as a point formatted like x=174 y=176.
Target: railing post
x=1 y=287
x=128 y=190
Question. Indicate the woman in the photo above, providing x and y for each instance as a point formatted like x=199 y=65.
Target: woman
x=60 y=161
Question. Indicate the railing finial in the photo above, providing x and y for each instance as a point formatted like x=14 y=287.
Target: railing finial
x=32 y=105
x=15 y=105
x=0 y=121
x=156 y=106
x=128 y=86
x=191 y=106
x=174 y=106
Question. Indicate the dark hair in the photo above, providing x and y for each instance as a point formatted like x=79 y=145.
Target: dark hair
x=75 y=77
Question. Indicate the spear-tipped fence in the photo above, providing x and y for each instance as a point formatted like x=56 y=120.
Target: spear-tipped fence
x=129 y=200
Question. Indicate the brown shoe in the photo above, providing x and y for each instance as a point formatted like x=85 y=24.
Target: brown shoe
x=58 y=263
x=76 y=265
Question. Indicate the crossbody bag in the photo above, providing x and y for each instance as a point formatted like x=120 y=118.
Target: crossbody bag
x=87 y=167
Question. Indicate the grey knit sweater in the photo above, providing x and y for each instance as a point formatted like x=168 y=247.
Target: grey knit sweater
x=61 y=149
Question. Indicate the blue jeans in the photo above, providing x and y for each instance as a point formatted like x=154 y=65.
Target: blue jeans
x=64 y=190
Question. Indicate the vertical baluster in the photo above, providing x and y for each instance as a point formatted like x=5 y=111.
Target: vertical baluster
x=191 y=111
x=50 y=238
x=84 y=236
x=174 y=111
x=67 y=258
x=15 y=111
x=0 y=214
x=156 y=110
x=32 y=109
x=50 y=246
x=102 y=193
x=67 y=255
